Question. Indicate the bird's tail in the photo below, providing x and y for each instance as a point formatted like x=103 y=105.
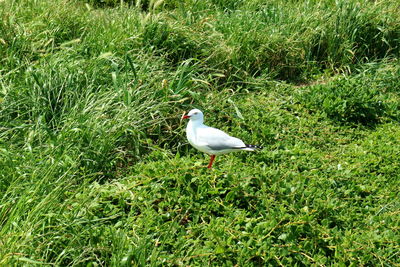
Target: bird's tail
x=252 y=148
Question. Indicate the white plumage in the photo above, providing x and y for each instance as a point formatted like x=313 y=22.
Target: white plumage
x=211 y=140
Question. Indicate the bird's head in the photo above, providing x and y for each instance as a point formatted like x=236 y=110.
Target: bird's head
x=194 y=115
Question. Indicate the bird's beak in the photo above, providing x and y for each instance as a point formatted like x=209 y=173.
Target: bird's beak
x=185 y=117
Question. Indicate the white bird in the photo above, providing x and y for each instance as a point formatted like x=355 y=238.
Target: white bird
x=211 y=140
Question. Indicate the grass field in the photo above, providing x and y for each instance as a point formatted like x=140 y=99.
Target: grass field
x=95 y=169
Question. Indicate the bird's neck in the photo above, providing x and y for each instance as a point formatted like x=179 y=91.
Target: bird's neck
x=193 y=125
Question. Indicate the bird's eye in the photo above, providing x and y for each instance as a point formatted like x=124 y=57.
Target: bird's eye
x=195 y=113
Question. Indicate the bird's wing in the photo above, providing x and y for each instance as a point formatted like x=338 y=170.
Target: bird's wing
x=218 y=140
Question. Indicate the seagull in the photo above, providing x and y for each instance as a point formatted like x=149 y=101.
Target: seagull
x=211 y=140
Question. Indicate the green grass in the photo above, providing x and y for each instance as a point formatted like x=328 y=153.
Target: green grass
x=95 y=168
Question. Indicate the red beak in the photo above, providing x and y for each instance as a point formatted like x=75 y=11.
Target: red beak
x=185 y=117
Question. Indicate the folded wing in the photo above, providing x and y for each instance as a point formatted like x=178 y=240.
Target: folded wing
x=218 y=140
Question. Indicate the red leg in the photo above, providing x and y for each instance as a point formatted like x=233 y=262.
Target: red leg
x=211 y=161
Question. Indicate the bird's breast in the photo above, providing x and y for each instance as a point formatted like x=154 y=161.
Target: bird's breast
x=190 y=134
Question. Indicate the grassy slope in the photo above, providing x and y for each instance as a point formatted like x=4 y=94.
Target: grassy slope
x=94 y=167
